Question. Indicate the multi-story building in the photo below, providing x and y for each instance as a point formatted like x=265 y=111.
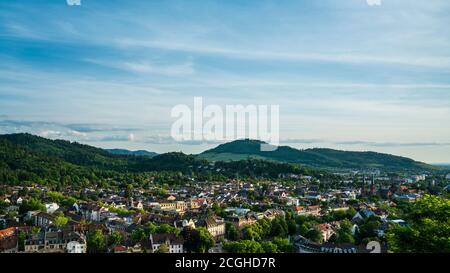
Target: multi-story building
x=8 y=240
x=178 y=206
x=215 y=226
x=43 y=219
x=308 y=210
x=55 y=241
x=172 y=241
x=242 y=221
x=78 y=246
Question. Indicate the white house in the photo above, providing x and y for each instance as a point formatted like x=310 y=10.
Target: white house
x=447 y=176
x=190 y=223
x=293 y=201
x=51 y=207
x=327 y=231
x=76 y=247
x=173 y=242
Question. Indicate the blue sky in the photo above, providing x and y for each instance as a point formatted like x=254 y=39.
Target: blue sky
x=345 y=74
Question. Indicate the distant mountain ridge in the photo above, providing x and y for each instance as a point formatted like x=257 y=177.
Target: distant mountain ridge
x=128 y=152
x=316 y=157
x=26 y=158
x=31 y=153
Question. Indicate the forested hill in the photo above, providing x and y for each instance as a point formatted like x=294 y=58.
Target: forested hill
x=26 y=158
x=34 y=147
x=26 y=148
x=323 y=158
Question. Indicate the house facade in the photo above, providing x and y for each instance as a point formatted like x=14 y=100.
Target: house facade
x=308 y=210
x=215 y=226
x=173 y=242
x=55 y=242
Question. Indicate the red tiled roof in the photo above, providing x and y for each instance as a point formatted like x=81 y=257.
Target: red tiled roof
x=120 y=248
x=324 y=227
x=7 y=232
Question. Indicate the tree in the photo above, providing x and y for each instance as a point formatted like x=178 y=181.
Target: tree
x=283 y=245
x=252 y=232
x=165 y=228
x=269 y=247
x=368 y=229
x=138 y=235
x=129 y=191
x=350 y=213
x=197 y=240
x=344 y=234
x=150 y=228
x=303 y=229
x=21 y=240
x=314 y=235
x=232 y=233
x=206 y=240
x=96 y=242
x=115 y=238
x=60 y=220
x=244 y=246
x=279 y=227
x=191 y=239
x=32 y=204
x=163 y=248
x=429 y=229
x=292 y=227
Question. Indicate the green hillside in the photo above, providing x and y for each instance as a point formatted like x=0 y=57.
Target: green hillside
x=323 y=158
x=27 y=159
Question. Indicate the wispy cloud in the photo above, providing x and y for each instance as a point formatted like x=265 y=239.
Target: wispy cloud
x=79 y=132
x=182 y=69
x=301 y=141
x=115 y=138
x=324 y=143
x=90 y=128
x=307 y=56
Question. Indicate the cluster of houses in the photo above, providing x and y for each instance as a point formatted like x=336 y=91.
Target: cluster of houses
x=187 y=205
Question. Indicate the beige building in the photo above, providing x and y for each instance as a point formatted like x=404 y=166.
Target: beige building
x=179 y=206
x=215 y=226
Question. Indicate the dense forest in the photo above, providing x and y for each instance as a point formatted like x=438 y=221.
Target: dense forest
x=27 y=159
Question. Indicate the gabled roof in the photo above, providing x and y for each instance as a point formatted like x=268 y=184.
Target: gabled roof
x=7 y=232
x=169 y=238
